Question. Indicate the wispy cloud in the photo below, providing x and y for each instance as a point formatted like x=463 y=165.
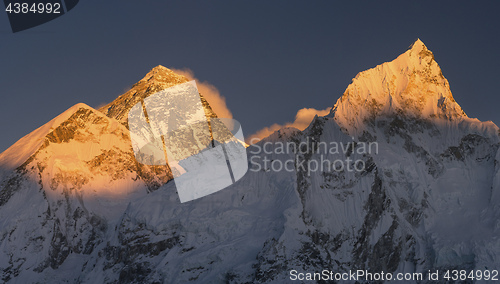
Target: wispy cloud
x=216 y=101
x=302 y=119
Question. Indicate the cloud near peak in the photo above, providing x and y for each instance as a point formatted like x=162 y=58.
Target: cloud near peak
x=302 y=120
x=216 y=101
x=218 y=104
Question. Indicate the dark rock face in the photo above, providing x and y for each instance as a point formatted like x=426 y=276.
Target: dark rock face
x=394 y=201
x=9 y=187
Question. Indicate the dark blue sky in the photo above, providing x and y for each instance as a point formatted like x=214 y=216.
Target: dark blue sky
x=268 y=58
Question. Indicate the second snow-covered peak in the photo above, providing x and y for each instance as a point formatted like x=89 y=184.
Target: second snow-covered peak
x=418 y=46
x=163 y=76
x=412 y=85
x=53 y=131
x=159 y=78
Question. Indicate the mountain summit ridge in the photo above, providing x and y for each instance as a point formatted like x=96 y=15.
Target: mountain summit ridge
x=418 y=46
x=20 y=151
x=162 y=75
x=157 y=79
x=412 y=85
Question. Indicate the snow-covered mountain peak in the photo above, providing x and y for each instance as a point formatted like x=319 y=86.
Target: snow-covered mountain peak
x=20 y=151
x=161 y=75
x=418 y=46
x=84 y=150
x=159 y=78
x=412 y=85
